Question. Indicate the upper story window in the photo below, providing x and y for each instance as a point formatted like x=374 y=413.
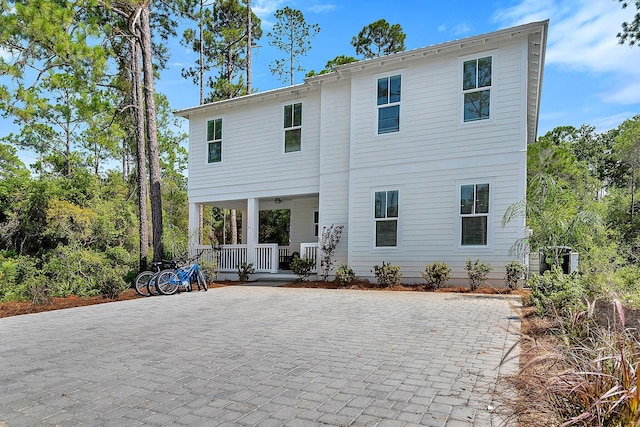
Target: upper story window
x=476 y=88
x=388 y=102
x=474 y=214
x=292 y=127
x=385 y=215
x=214 y=141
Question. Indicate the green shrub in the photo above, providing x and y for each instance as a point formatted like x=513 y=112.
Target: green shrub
x=244 y=271
x=514 y=274
x=387 y=275
x=555 y=292
x=73 y=270
x=437 y=274
x=345 y=275
x=210 y=268
x=29 y=283
x=302 y=267
x=8 y=268
x=477 y=272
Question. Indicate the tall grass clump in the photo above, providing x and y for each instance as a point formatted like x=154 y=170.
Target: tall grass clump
x=591 y=381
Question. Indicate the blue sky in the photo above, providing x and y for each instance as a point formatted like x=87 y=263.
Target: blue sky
x=588 y=79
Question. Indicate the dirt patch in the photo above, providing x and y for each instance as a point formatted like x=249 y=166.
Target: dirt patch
x=16 y=308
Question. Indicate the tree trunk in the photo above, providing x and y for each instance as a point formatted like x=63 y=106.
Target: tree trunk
x=201 y=25
x=249 y=42
x=152 y=134
x=141 y=155
x=234 y=227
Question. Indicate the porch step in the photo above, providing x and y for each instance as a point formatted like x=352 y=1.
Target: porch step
x=287 y=277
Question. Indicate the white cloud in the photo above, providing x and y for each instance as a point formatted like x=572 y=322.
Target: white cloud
x=603 y=124
x=319 y=8
x=582 y=38
x=461 y=29
x=265 y=8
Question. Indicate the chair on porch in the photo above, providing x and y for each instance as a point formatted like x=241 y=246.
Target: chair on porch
x=286 y=259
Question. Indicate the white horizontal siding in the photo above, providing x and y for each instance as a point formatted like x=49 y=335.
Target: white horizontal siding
x=429 y=218
x=430 y=125
x=252 y=153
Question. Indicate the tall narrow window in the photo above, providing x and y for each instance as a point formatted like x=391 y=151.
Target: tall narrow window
x=388 y=101
x=315 y=223
x=385 y=214
x=214 y=141
x=292 y=127
x=474 y=213
x=476 y=88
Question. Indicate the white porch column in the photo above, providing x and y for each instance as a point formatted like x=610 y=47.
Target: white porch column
x=194 y=224
x=253 y=208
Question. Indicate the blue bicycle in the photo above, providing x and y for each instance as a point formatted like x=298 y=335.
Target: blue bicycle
x=169 y=281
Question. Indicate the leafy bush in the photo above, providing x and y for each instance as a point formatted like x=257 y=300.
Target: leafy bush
x=436 y=274
x=345 y=275
x=555 y=292
x=73 y=270
x=514 y=274
x=210 y=268
x=244 y=271
x=477 y=272
x=387 y=275
x=328 y=244
x=302 y=267
x=30 y=283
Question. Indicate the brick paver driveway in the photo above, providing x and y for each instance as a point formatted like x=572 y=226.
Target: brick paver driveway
x=259 y=357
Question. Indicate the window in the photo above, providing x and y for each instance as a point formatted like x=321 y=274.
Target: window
x=476 y=88
x=292 y=127
x=388 y=101
x=315 y=223
x=386 y=218
x=214 y=141
x=474 y=213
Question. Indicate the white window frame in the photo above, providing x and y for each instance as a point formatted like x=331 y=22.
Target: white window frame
x=372 y=212
x=316 y=223
x=293 y=127
x=377 y=107
x=214 y=140
x=491 y=88
x=473 y=214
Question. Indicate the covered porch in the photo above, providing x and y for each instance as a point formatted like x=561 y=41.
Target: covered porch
x=268 y=253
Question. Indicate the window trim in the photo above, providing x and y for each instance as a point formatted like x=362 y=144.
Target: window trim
x=491 y=88
x=285 y=129
x=399 y=104
x=489 y=215
x=316 y=223
x=374 y=220
x=209 y=141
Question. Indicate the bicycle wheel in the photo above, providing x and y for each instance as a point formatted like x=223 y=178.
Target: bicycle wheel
x=152 y=285
x=202 y=280
x=141 y=283
x=167 y=282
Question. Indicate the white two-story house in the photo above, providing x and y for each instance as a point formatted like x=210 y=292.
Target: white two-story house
x=417 y=154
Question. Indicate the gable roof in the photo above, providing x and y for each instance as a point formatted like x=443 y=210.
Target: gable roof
x=537 y=39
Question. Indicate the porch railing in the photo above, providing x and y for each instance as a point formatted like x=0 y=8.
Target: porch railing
x=310 y=250
x=266 y=257
x=230 y=256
